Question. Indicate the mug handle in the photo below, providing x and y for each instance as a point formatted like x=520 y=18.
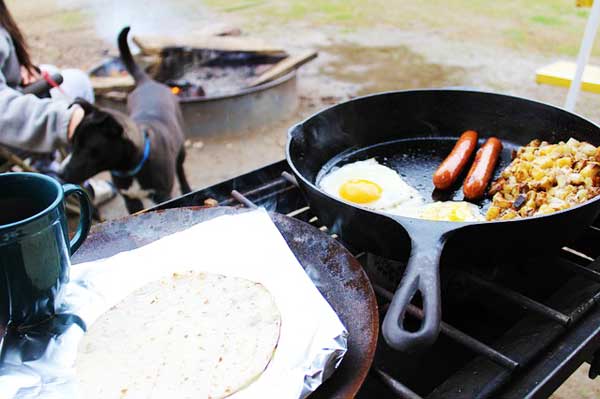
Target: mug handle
x=85 y=218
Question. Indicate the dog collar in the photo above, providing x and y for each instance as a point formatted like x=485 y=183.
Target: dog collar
x=140 y=165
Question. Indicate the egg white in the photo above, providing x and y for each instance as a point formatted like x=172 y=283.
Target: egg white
x=451 y=211
x=395 y=191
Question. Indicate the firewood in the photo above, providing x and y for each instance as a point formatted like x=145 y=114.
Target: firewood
x=284 y=66
x=154 y=45
x=105 y=84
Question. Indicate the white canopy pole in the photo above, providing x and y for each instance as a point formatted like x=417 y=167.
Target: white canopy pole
x=584 y=55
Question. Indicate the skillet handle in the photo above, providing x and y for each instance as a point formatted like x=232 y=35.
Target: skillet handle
x=422 y=275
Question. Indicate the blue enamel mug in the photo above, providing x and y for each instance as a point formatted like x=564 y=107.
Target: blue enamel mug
x=35 y=247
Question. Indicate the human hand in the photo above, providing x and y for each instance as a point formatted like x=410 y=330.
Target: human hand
x=29 y=76
x=76 y=118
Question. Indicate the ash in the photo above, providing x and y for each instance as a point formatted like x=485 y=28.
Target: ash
x=222 y=80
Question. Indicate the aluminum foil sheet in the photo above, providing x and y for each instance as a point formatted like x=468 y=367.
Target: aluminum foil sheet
x=312 y=343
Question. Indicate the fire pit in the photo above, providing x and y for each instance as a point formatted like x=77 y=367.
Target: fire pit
x=215 y=89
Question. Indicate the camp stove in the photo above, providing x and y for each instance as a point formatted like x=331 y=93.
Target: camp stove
x=515 y=331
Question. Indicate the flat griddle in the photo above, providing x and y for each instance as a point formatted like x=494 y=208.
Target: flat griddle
x=335 y=272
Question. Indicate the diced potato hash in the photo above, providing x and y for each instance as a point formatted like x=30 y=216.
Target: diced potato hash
x=545 y=178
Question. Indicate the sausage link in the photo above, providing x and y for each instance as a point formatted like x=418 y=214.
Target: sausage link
x=449 y=170
x=481 y=171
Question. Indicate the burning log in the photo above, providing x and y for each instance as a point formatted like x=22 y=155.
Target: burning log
x=184 y=88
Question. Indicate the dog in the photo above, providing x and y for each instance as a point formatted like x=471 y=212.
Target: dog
x=144 y=148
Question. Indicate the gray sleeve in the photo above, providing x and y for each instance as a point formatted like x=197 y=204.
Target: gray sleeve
x=27 y=122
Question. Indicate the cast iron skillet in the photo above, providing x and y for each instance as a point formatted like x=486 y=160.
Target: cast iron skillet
x=412 y=132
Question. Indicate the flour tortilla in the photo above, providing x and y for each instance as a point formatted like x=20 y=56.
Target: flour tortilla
x=191 y=335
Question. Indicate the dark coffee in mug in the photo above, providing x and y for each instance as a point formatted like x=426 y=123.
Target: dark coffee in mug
x=35 y=248
x=17 y=208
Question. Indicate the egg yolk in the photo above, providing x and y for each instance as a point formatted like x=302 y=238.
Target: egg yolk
x=449 y=211
x=360 y=191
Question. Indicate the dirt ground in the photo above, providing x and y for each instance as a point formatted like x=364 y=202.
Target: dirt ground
x=364 y=47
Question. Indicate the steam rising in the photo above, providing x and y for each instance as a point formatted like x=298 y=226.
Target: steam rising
x=157 y=17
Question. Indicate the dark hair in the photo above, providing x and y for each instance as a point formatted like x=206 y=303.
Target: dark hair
x=8 y=23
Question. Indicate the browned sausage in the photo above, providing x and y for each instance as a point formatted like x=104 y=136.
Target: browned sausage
x=448 y=171
x=481 y=171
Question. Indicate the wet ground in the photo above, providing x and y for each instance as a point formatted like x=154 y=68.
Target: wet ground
x=377 y=69
x=364 y=47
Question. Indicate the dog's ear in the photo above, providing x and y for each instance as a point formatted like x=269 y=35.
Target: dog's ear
x=113 y=127
x=88 y=108
x=98 y=120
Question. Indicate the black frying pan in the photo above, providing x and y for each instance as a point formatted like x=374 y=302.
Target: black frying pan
x=412 y=132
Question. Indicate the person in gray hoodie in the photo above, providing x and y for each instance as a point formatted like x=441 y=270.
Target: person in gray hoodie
x=39 y=125
x=29 y=123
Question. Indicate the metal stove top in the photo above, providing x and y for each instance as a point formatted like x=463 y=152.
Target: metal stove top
x=513 y=330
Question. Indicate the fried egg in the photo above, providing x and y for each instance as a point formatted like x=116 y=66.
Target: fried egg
x=370 y=184
x=450 y=211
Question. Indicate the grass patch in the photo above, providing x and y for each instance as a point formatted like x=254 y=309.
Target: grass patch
x=516 y=37
x=568 y=49
x=552 y=27
x=297 y=11
x=243 y=6
x=70 y=19
x=582 y=13
x=546 y=20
